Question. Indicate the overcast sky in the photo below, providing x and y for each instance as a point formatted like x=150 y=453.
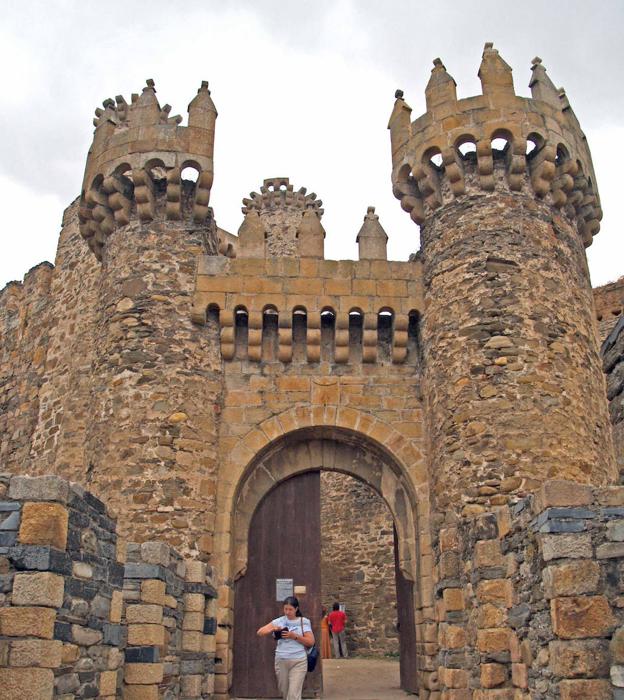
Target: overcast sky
x=303 y=89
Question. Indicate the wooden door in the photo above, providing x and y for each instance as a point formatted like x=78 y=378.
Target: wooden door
x=407 y=625
x=284 y=542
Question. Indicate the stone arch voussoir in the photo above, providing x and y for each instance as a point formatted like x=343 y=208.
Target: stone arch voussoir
x=326 y=437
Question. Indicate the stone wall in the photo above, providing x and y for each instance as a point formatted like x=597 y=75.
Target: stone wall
x=83 y=615
x=357 y=563
x=529 y=598
x=609 y=301
x=613 y=363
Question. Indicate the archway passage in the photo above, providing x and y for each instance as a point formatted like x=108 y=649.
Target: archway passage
x=270 y=544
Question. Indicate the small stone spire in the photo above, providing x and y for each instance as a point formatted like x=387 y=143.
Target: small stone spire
x=311 y=235
x=400 y=122
x=201 y=110
x=441 y=88
x=251 y=243
x=542 y=87
x=146 y=110
x=495 y=74
x=372 y=240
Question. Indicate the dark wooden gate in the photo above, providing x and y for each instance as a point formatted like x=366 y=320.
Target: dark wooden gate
x=284 y=542
x=407 y=625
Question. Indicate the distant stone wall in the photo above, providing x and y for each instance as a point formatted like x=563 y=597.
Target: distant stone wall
x=609 y=302
x=357 y=563
x=613 y=363
x=83 y=616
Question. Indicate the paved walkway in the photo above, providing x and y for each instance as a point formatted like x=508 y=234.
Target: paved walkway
x=362 y=679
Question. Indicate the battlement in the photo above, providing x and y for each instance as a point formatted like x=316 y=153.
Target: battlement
x=136 y=160
x=451 y=149
x=280 y=221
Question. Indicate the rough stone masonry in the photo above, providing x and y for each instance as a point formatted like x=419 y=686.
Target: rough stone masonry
x=178 y=372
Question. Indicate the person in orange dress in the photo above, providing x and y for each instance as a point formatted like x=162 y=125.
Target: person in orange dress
x=325 y=640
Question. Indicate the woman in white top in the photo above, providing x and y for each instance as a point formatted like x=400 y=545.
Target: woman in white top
x=294 y=635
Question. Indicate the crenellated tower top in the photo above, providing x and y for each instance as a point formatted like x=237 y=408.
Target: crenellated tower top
x=280 y=221
x=135 y=163
x=451 y=149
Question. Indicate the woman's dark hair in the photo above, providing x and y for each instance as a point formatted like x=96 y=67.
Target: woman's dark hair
x=336 y=606
x=291 y=600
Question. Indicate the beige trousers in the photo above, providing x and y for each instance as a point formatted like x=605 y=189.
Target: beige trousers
x=291 y=674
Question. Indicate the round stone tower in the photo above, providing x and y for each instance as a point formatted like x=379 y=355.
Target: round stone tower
x=504 y=192
x=144 y=212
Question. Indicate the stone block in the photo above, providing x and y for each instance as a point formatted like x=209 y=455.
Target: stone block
x=156 y=553
x=81 y=569
x=192 y=641
x=150 y=614
x=558 y=492
x=38 y=589
x=569 y=546
x=487 y=553
x=140 y=692
x=70 y=653
x=617 y=676
x=194 y=602
x=44 y=524
x=39 y=488
x=22 y=683
x=493 y=675
x=191 y=686
x=571 y=578
x=493 y=640
x=143 y=674
x=116 y=607
x=146 y=635
x=142 y=655
x=610 y=550
x=85 y=636
x=153 y=591
x=449 y=539
x=520 y=675
x=581 y=616
x=615 y=530
x=193 y=621
x=585 y=689
x=43 y=653
x=489 y=615
x=579 y=658
x=108 y=683
x=453 y=599
x=496 y=591
x=27 y=622
x=617 y=646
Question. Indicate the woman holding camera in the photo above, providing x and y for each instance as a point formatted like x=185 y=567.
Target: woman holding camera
x=294 y=635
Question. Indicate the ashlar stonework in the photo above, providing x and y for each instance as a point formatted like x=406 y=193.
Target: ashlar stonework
x=165 y=375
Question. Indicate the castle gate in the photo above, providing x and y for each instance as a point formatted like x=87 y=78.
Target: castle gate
x=277 y=535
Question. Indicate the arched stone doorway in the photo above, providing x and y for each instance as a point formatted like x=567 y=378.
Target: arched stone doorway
x=340 y=449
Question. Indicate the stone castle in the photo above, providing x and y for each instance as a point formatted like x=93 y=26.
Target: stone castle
x=465 y=409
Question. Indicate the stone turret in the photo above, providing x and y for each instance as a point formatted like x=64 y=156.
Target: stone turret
x=372 y=240
x=134 y=167
x=514 y=387
x=288 y=221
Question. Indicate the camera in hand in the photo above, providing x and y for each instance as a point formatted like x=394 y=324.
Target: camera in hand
x=277 y=634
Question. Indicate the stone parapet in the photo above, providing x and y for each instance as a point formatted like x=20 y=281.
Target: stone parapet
x=528 y=597
x=83 y=615
x=384 y=299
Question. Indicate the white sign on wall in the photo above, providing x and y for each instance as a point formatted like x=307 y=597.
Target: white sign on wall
x=283 y=588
